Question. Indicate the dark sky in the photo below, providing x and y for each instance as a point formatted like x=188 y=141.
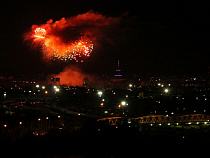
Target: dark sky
x=153 y=37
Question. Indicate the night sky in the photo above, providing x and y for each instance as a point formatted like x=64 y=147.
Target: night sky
x=153 y=38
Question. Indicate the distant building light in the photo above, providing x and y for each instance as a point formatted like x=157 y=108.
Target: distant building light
x=37 y=86
x=130 y=85
x=43 y=87
x=57 y=89
x=102 y=104
x=166 y=90
x=106 y=112
x=46 y=92
x=100 y=93
x=123 y=103
x=117 y=75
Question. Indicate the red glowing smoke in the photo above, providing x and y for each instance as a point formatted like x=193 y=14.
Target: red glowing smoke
x=71 y=76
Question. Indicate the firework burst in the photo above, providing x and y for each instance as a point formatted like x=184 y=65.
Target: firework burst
x=71 y=38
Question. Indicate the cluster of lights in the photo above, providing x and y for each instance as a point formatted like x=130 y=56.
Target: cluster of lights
x=56 y=89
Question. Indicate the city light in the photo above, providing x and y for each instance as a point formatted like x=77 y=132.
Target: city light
x=166 y=90
x=123 y=103
x=57 y=89
x=100 y=93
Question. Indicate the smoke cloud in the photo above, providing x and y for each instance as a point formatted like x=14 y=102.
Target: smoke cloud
x=71 y=76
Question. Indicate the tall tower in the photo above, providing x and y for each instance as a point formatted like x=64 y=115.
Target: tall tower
x=118 y=80
x=118 y=72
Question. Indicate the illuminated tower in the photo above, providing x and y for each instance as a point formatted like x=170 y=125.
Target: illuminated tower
x=118 y=80
x=118 y=72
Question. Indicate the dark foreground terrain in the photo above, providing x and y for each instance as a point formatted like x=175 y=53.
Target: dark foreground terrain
x=95 y=139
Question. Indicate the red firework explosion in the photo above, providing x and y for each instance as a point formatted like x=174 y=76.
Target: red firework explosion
x=71 y=38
